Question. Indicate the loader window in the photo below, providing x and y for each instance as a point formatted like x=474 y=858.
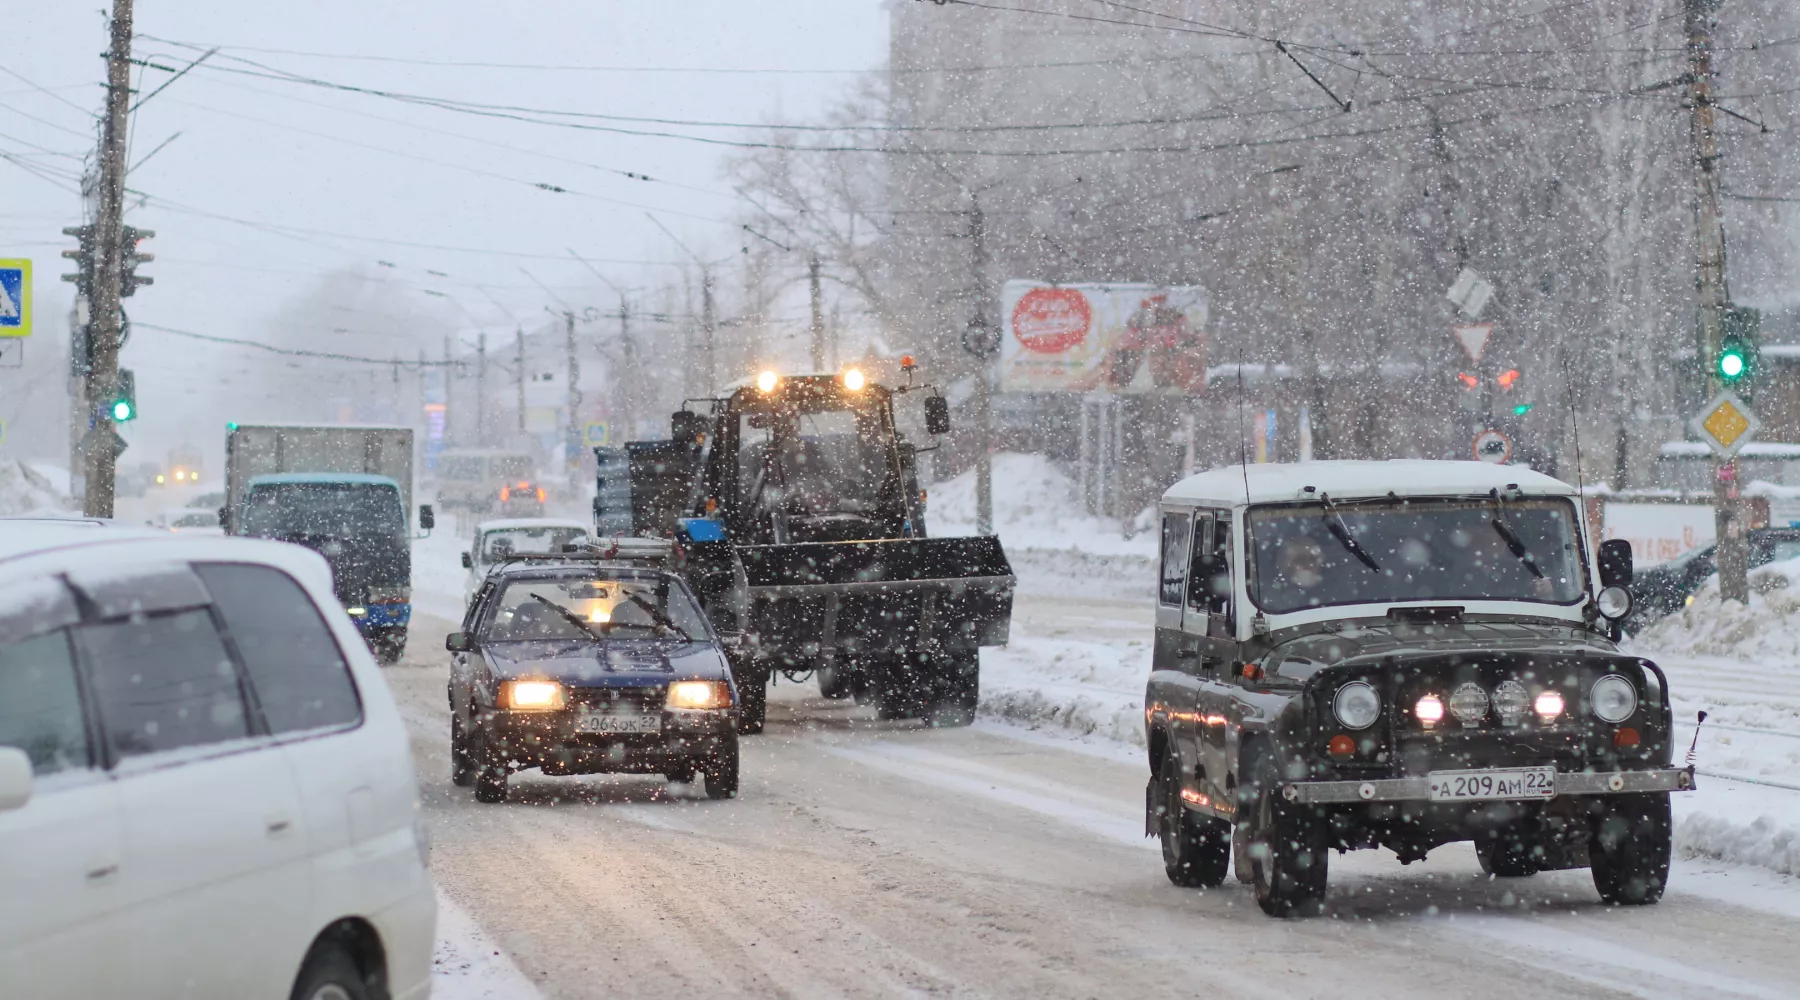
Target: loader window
x=826 y=462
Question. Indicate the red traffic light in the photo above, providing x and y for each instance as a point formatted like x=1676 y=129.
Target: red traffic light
x=1508 y=378
x=1468 y=381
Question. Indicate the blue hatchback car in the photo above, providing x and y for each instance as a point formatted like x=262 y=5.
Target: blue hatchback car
x=589 y=666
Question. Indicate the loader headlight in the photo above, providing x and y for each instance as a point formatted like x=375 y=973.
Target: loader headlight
x=853 y=379
x=767 y=381
x=699 y=694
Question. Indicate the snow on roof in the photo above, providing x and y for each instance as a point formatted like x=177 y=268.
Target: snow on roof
x=24 y=536
x=505 y=523
x=354 y=478
x=1755 y=449
x=1274 y=483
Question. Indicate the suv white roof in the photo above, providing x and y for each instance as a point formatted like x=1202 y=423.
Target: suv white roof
x=506 y=523
x=1236 y=485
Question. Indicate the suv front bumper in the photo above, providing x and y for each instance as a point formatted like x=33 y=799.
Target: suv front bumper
x=1417 y=787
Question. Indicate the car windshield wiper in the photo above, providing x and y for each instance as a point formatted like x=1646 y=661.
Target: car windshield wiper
x=658 y=616
x=581 y=623
x=1334 y=522
x=1513 y=543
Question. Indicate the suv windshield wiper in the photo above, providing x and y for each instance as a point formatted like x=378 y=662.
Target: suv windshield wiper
x=658 y=616
x=1334 y=522
x=1513 y=543
x=579 y=622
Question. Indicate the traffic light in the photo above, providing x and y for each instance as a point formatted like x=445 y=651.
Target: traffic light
x=1736 y=360
x=129 y=279
x=124 y=398
x=84 y=257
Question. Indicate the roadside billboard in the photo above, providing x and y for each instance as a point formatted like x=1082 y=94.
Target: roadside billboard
x=1144 y=339
x=1659 y=532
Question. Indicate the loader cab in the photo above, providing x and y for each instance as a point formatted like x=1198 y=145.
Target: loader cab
x=809 y=458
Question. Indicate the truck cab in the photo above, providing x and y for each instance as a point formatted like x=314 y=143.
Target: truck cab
x=1399 y=654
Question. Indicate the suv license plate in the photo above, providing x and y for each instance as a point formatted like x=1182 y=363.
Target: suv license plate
x=619 y=722
x=1498 y=783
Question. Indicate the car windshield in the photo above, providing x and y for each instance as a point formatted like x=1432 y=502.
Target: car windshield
x=829 y=460
x=600 y=605
x=502 y=542
x=459 y=467
x=511 y=467
x=1310 y=555
x=339 y=510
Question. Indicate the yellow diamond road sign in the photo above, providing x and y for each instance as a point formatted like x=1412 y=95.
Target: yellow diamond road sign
x=1726 y=424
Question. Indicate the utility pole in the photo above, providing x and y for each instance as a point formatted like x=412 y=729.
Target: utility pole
x=818 y=315
x=521 y=377
x=709 y=331
x=984 y=418
x=1734 y=555
x=449 y=407
x=481 y=396
x=572 y=435
x=100 y=463
x=625 y=409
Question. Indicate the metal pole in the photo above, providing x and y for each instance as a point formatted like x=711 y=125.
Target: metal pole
x=520 y=378
x=449 y=381
x=984 y=420
x=625 y=418
x=572 y=433
x=818 y=315
x=100 y=461
x=1734 y=555
x=481 y=396
x=709 y=333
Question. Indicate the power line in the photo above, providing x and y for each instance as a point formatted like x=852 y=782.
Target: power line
x=293 y=351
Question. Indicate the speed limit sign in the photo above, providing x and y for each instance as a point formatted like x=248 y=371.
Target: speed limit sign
x=1493 y=446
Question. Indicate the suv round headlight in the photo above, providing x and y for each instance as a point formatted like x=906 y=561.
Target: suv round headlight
x=1613 y=698
x=1356 y=705
x=1613 y=603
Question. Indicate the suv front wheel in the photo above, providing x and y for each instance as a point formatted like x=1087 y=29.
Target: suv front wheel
x=1289 y=863
x=1628 y=847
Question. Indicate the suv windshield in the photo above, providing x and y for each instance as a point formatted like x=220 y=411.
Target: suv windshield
x=600 y=605
x=1310 y=555
x=337 y=510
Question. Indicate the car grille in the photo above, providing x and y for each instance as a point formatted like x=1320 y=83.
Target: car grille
x=632 y=699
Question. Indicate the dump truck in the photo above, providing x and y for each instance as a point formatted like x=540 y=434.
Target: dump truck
x=795 y=505
x=343 y=492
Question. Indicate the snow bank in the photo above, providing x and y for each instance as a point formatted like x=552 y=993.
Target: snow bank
x=1767 y=628
x=1764 y=842
x=1085 y=688
x=1051 y=541
x=24 y=490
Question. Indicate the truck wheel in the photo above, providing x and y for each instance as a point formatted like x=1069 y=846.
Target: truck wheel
x=1507 y=854
x=1628 y=847
x=1196 y=849
x=753 y=701
x=389 y=645
x=1289 y=864
x=721 y=771
x=462 y=765
x=958 y=690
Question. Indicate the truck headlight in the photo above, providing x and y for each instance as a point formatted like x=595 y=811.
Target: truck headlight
x=1356 y=705
x=532 y=696
x=699 y=694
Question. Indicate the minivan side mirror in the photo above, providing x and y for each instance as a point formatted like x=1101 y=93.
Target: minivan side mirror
x=427 y=517
x=15 y=778
x=468 y=563
x=1615 y=563
x=937 y=414
x=459 y=642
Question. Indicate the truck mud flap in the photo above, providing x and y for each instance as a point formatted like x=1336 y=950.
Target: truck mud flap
x=892 y=593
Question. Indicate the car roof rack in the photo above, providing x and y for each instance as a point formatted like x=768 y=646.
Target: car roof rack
x=653 y=552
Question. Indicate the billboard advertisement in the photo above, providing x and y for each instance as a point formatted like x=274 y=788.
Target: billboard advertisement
x=1112 y=338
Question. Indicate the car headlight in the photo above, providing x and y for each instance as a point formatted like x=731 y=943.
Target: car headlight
x=356 y=611
x=1613 y=698
x=532 y=696
x=1356 y=705
x=699 y=694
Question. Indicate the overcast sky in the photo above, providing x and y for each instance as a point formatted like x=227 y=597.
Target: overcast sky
x=271 y=184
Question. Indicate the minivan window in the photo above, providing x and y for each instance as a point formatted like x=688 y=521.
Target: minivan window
x=163 y=682
x=40 y=704
x=294 y=665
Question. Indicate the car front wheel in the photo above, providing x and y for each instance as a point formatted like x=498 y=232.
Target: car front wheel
x=329 y=974
x=462 y=763
x=721 y=770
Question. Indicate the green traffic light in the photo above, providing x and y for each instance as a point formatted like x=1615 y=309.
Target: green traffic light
x=1522 y=409
x=122 y=411
x=231 y=426
x=1731 y=365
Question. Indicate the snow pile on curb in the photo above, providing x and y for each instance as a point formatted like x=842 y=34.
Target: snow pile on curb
x=1047 y=535
x=1764 y=842
x=1767 y=628
x=24 y=490
x=1084 y=688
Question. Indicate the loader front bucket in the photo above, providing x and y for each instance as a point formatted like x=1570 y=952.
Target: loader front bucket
x=889 y=594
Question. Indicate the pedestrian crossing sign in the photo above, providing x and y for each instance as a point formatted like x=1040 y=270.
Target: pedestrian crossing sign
x=15 y=298
x=598 y=435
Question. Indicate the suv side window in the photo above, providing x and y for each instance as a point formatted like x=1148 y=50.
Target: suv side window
x=1176 y=529
x=295 y=666
x=1209 y=582
x=163 y=682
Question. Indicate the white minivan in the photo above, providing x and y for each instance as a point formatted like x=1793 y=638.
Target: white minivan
x=205 y=785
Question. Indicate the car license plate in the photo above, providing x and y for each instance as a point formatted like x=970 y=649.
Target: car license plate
x=1497 y=783
x=620 y=722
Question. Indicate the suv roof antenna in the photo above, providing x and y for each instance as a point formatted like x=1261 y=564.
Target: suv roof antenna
x=1243 y=459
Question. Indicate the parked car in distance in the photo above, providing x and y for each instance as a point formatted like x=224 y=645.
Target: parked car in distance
x=206 y=789
x=1668 y=587
x=190 y=520
x=472 y=479
x=495 y=541
x=590 y=665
